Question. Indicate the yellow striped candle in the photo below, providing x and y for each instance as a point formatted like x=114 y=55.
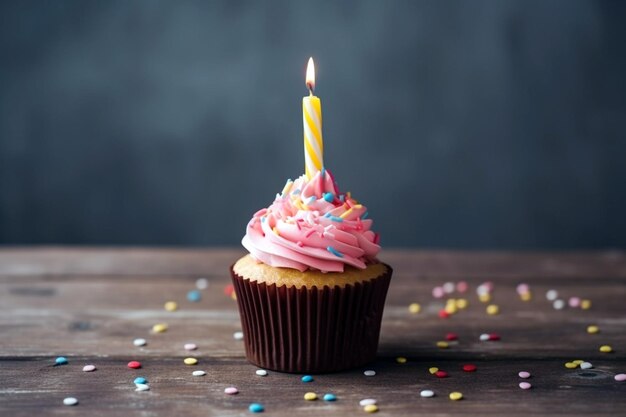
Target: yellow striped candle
x=312 y=120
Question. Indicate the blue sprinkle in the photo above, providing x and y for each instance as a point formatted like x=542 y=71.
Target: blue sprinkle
x=256 y=408
x=334 y=251
x=330 y=397
x=296 y=192
x=336 y=219
x=329 y=197
x=323 y=172
x=364 y=216
x=342 y=198
x=312 y=199
x=327 y=214
x=307 y=378
x=140 y=380
x=61 y=360
x=194 y=296
x=263 y=219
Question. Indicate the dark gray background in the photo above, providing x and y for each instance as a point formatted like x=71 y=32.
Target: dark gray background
x=474 y=124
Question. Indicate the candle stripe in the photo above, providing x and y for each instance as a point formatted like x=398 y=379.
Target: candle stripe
x=313 y=144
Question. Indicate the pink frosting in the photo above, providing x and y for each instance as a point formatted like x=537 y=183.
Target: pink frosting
x=311 y=225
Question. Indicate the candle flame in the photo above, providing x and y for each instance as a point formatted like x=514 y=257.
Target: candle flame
x=310 y=75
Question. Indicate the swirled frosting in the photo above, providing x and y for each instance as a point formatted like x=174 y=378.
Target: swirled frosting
x=311 y=225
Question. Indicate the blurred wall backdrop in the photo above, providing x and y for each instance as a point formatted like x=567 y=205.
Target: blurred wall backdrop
x=471 y=124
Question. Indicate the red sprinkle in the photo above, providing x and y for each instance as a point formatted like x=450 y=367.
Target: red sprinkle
x=451 y=336
x=443 y=314
x=494 y=336
x=134 y=365
x=469 y=368
x=441 y=374
x=229 y=290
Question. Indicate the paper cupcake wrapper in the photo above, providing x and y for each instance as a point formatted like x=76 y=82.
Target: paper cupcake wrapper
x=311 y=330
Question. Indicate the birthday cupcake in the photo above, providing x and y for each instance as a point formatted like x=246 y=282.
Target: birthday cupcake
x=311 y=291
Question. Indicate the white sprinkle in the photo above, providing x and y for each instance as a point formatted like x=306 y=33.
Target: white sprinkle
x=70 y=401
x=426 y=393
x=525 y=385
x=231 y=390
x=367 y=401
x=448 y=287
x=586 y=365
x=261 y=372
x=238 y=335
x=140 y=342
x=89 y=368
x=142 y=387
x=524 y=374
x=198 y=373
x=190 y=346
x=552 y=295
x=482 y=289
x=558 y=304
x=484 y=337
x=369 y=372
x=202 y=283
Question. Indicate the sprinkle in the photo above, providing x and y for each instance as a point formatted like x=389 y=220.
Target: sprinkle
x=484 y=298
x=484 y=337
x=456 y=396
x=89 y=368
x=586 y=365
x=371 y=408
x=450 y=307
x=335 y=219
x=461 y=303
x=140 y=380
x=525 y=385
x=61 y=360
x=442 y=344
x=522 y=289
x=190 y=346
x=462 y=286
x=238 y=335
x=578 y=361
x=585 y=304
x=202 y=283
x=441 y=374
x=140 y=342
x=171 y=306
x=256 y=408
x=299 y=243
x=261 y=372
x=330 y=397
x=307 y=378
x=334 y=252
x=231 y=391
x=142 y=387
x=574 y=302
x=552 y=295
x=571 y=365
x=276 y=232
x=443 y=314
x=367 y=401
x=329 y=197
x=593 y=329
x=369 y=372
x=469 y=368
x=558 y=304
x=194 y=296
x=438 y=292
x=287 y=186
x=310 y=396
x=606 y=349
x=493 y=309
x=433 y=369
x=198 y=373
x=159 y=328
x=190 y=361
x=364 y=216
x=524 y=374
x=346 y=213
x=620 y=377
x=448 y=287
x=526 y=296
x=451 y=337
x=134 y=365
x=426 y=393
x=70 y=401
x=401 y=359
x=414 y=308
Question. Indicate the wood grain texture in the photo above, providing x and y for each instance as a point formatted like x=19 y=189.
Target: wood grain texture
x=89 y=304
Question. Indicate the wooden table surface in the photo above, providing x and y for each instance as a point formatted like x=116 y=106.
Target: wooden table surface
x=89 y=305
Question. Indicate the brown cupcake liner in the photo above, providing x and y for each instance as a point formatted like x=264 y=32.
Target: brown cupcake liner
x=311 y=330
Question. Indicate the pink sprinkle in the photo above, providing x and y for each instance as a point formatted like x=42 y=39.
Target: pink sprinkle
x=524 y=374
x=231 y=391
x=525 y=385
x=438 y=292
x=309 y=233
x=574 y=302
x=522 y=289
x=300 y=243
x=190 y=346
x=620 y=377
x=461 y=286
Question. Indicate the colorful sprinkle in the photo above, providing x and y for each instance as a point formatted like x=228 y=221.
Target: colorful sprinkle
x=448 y=287
x=369 y=372
x=261 y=372
x=159 y=328
x=456 y=396
x=140 y=380
x=238 y=335
x=451 y=337
x=426 y=393
x=571 y=365
x=334 y=252
x=578 y=361
x=461 y=303
x=526 y=296
x=335 y=219
x=522 y=289
x=441 y=374
x=620 y=377
x=307 y=378
x=190 y=346
x=371 y=408
x=585 y=304
x=438 y=292
x=194 y=296
x=310 y=396
x=134 y=365
x=524 y=374
x=171 y=306
x=70 y=401
x=142 y=387
x=330 y=397
x=89 y=368
x=484 y=298
x=190 y=361
x=606 y=349
x=552 y=295
x=198 y=373
x=593 y=329
x=442 y=344
x=256 y=408
x=558 y=304
x=443 y=314
x=462 y=286
x=586 y=365
x=367 y=401
x=414 y=308
x=61 y=360
x=484 y=337
x=401 y=359
x=574 y=302
x=140 y=342
x=202 y=283
x=433 y=369
x=329 y=197
x=492 y=309
x=469 y=368
x=231 y=391
x=525 y=385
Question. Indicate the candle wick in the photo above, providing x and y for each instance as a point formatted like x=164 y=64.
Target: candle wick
x=310 y=87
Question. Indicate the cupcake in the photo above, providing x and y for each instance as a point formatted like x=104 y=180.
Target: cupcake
x=311 y=291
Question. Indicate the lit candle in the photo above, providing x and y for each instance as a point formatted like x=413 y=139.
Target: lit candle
x=312 y=120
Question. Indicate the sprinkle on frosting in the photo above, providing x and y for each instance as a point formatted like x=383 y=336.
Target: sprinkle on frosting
x=311 y=225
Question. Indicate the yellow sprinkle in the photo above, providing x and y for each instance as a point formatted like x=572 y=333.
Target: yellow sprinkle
x=171 y=306
x=159 y=328
x=358 y=206
x=345 y=214
x=585 y=304
x=233 y=296
x=493 y=309
x=526 y=296
x=578 y=361
x=190 y=361
x=571 y=365
x=310 y=396
x=455 y=396
x=606 y=349
x=485 y=298
x=593 y=329
x=370 y=408
x=461 y=303
x=451 y=301
x=450 y=308
x=275 y=230
x=414 y=308
x=287 y=187
x=442 y=344
x=433 y=369
x=401 y=359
